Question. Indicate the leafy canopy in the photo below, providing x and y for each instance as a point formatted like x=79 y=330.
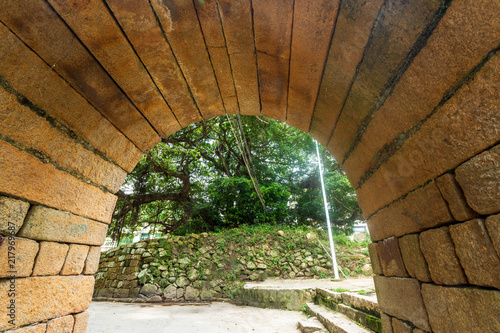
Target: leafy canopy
x=199 y=180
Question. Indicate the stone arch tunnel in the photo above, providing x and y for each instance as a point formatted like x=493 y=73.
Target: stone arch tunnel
x=405 y=94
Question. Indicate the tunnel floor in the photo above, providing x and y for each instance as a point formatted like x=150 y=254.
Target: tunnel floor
x=109 y=317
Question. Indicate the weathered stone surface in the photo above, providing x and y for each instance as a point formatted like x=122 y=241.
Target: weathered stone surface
x=465 y=34
x=154 y=299
x=92 y=261
x=413 y=258
x=50 y=37
x=206 y=294
x=180 y=292
x=361 y=302
x=121 y=293
x=57 y=94
x=208 y=16
x=75 y=260
x=12 y=214
x=462 y=309
x=352 y=31
x=401 y=298
x=367 y=269
x=273 y=28
x=181 y=282
x=106 y=292
x=17 y=255
x=149 y=289
x=273 y=71
x=422 y=209
x=399 y=326
x=191 y=294
x=84 y=21
x=170 y=292
x=386 y=323
x=245 y=79
x=493 y=226
x=251 y=265
x=442 y=143
x=40 y=328
x=278 y=298
x=81 y=320
x=439 y=252
x=43 y=298
x=476 y=253
x=134 y=292
x=30 y=178
x=61 y=325
x=480 y=180
x=313 y=24
x=328 y=294
x=50 y=259
x=195 y=62
x=455 y=197
x=392 y=38
x=310 y=325
x=156 y=54
x=48 y=224
x=375 y=261
x=390 y=258
x=21 y=124
x=236 y=18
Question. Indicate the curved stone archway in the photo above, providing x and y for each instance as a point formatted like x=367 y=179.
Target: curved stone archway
x=404 y=94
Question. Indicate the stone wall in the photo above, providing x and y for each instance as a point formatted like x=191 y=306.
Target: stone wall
x=403 y=93
x=209 y=266
x=436 y=252
x=40 y=262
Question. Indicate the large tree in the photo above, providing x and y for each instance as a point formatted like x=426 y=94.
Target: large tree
x=231 y=170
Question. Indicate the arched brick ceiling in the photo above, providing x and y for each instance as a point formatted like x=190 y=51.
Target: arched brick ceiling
x=363 y=77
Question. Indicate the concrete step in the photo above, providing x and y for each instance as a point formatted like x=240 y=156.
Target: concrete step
x=333 y=321
x=311 y=325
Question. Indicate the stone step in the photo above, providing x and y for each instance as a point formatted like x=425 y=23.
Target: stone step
x=333 y=321
x=277 y=298
x=311 y=325
x=367 y=304
x=358 y=308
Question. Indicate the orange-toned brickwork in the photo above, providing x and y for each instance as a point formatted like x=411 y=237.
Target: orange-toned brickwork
x=406 y=95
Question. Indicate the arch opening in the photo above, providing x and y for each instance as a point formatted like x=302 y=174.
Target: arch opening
x=404 y=95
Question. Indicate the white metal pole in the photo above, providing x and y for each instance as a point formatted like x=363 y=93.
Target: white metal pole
x=334 y=257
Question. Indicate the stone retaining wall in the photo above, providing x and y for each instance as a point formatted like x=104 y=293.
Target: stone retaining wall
x=206 y=267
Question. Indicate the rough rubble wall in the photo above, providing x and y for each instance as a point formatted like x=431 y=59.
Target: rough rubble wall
x=408 y=102
x=207 y=267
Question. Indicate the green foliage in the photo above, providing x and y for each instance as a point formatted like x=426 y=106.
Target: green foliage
x=196 y=181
